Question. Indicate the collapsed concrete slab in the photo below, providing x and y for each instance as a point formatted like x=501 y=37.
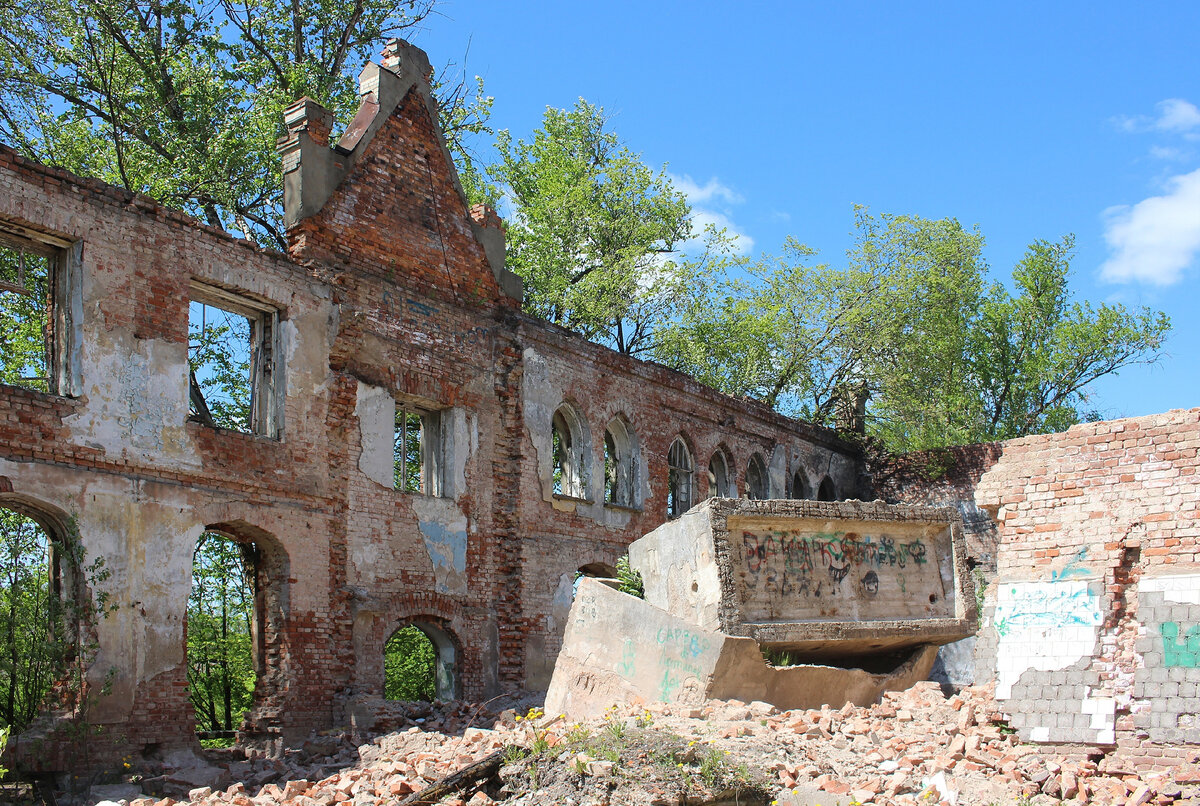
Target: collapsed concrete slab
x=619 y=648
x=858 y=595
x=818 y=579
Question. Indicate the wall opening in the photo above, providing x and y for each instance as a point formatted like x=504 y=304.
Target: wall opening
x=224 y=634
x=826 y=492
x=679 y=478
x=800 y=488
x=39 y=307
x=719 y=482
x=417 y=451
x=620 y=465
x=33 y=645
x=233 y=350
x=419 y=663
x=757 y=485
x=568 y=440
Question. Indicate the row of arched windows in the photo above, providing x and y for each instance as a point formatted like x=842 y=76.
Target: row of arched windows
x=570 y=441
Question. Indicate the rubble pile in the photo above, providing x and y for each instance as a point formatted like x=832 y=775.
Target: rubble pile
x=914 y=747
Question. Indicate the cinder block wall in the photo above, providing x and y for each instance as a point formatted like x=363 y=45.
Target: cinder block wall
x=1092 y=623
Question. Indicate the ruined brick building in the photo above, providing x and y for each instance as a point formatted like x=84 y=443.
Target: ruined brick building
x=393 y=298
x=393 y=311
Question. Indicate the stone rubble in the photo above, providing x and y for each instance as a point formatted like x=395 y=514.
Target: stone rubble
x=916 y=747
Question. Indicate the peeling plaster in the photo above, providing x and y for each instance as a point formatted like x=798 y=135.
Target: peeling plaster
x=376 y=412
x=137 y=399
x=444 y=529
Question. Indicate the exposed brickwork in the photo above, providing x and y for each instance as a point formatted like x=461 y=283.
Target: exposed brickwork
x=945 y=477
x=385 y=289
x=1087 y=621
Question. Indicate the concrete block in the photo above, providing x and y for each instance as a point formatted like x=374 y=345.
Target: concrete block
x=776 y=571
x=618 y=648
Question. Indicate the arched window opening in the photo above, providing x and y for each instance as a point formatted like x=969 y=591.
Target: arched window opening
x=419 y=664
x=679 y=479
x=619 y=465
x=594 y=570
x=224 y=657
x=826 y=492
x=718 y=477
x=800 y=488
x=567 y=449
x=32 y=638
x=756 y=478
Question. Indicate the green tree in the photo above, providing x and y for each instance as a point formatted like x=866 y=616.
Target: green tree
x=409 y=666
x=912 y=326
x=183 y=99
x=31 y=632
x=220 y=618
x=592 y=229
x=24 y=293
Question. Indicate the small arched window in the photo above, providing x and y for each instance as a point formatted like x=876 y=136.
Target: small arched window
x=718 y=476
x=567 y=447
x=800 y=488
x=679 y=479
x=619 y=465
x=826 y=492
x=756 y=478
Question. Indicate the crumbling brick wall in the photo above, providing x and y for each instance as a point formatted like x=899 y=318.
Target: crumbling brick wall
x=943 y=477
x=1089 y=624
x=392 y=296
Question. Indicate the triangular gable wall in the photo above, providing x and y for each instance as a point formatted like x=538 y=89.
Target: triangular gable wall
x=386 y=197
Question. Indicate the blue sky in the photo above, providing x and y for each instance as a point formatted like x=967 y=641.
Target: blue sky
x=1030 y=120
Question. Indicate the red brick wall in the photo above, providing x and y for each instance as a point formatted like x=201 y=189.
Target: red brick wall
x=1099 y=549
x=387 y=288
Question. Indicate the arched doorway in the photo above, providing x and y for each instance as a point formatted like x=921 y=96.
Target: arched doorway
x=33 y=636
x=420 y=663
x=224 y=656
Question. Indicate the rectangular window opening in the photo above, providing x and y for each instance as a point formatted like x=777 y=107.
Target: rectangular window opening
x=417 y=451
x=233 y=349
x=36 y=327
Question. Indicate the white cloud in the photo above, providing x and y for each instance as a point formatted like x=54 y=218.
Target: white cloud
x=712 y=204
x=1155 y=240
x=743 y=244
x=712 y=190
x=1174 y=115
x=1177 y=115
x=1168 y=153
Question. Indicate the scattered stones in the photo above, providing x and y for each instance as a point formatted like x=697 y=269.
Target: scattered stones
x=915 y=748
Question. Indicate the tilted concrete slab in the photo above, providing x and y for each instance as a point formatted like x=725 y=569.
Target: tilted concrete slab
x=618 y=648
x=820 y=579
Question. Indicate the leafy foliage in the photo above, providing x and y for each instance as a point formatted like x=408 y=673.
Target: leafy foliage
x=409 y=665
x=630 y=579
x=912 y=326
x=24 y=294
x=182 y=100
x=592 y=228
x=219 y=360
x=31 y=636
x=220 y=655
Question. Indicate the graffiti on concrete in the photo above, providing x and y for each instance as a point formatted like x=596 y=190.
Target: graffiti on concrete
x=792 y=563
x=821 y=573
x=1186 y=654
x=678 y=653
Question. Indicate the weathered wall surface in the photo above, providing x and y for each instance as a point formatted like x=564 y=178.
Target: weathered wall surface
x=816 y=578
x=1090 y=625
x=622 y=649
x=391 y=298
